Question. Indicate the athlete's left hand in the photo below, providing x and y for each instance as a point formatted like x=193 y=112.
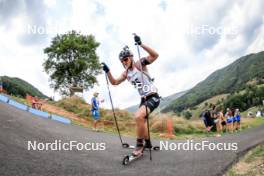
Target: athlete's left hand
x=137 y=40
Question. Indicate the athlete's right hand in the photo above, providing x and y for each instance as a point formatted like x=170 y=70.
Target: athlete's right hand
x=105 y=67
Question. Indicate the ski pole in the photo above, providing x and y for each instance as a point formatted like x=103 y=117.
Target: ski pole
x=125 y=145
x=145 y=98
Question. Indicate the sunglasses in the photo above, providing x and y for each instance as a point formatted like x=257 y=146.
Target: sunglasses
x=125 y=59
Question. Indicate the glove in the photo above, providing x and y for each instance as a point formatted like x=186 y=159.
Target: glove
x=105 y=67
x=137 y=40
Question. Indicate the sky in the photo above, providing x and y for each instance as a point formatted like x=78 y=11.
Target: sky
x=193 y=38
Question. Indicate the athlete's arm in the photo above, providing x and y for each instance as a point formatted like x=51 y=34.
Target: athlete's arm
x=117 y=81
x=112 y=80
x=153 y=55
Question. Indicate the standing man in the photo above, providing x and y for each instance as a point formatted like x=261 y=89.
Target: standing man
x=208 y=122
x=1 y=86
x=137 y=74
x=238 y=119
x=95 y=110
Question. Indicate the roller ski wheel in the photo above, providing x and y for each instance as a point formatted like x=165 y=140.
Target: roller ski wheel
x=130 y=158
x=126 y=145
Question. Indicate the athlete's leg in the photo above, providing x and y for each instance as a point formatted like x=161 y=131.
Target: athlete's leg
x=146 y=130
x=218 y=127
x=234 y=124
x=147 y=139
x=228 y=127
x=140 y=122
x=94 y=125
x=150 y=105
x=96 y=122
x=140 y=129
x=146 y=125
x=231 y=127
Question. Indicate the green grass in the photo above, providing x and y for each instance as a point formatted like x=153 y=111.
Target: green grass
x=20 y=100
x=250 y=165
x=182 y=128
x=253 y=110
x=182 y=132
x=256 y=153
x=257 y=122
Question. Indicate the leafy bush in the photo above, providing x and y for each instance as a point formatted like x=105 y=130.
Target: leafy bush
x=252 y=96
x=187 y=115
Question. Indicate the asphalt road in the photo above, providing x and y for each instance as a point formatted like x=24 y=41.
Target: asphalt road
x=17 y=127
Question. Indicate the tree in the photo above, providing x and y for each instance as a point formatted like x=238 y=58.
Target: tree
x=72 y=62
x=187 y=115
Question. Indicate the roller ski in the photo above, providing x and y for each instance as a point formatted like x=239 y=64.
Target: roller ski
x=127 y=146
x=147 y=146
x=129 y=158
x=136 y=154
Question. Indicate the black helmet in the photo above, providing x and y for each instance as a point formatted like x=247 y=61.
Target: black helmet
x=125 y=53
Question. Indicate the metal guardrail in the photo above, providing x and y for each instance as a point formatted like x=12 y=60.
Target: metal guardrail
x=39 y=113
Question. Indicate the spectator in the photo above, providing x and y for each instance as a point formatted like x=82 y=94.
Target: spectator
x=202 y=115
x=229 y=120
x=217 y=123
x=258 y=114
x=250 y=114
x=238 y=119
x=213 y=114
x=234 y=119
x=223 y=120
x=95 y=110
x=206 y=116
x=36 y=104
x=1 y=87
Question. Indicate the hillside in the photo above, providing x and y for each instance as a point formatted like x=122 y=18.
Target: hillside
x=165 y=101
x=217 y=100
x=19 y=87
x=229 y=79
x=250 y=97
